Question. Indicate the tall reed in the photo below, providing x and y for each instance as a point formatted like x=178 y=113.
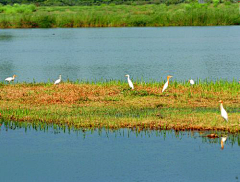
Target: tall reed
x=120 y=16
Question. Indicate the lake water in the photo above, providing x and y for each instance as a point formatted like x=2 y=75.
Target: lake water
x=123 y=155
x=110 y=53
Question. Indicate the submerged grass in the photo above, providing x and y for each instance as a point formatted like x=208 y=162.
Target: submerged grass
x=185 y=14
x=113 y=105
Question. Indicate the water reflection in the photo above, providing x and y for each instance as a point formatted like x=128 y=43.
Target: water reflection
x=6 y=37
x=210 y=137
x=223 y=140
x=41 y=152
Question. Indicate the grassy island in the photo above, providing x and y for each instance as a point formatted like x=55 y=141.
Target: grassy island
x=113 y=105
x=150 y=15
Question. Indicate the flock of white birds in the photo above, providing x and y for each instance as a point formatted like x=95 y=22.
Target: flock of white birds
x=191 y=81
x=223 y=111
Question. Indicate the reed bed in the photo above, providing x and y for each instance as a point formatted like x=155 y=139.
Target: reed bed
x=46 y=127
x=192 y=14
x=113 y=105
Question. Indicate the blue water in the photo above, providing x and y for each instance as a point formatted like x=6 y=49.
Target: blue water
x=122 y=155
x=109 y=53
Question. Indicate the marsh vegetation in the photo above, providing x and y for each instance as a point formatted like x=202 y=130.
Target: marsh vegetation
x=114 y=105
x=152 y=15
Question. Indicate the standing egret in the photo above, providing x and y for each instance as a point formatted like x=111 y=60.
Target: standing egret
x=191 y=81
x=223 y=111
x=223 y=139
x=166 y=84
x=9 y=79
x=58 y=80
x=129 y=82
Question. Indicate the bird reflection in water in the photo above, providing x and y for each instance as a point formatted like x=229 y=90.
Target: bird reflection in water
x=223 y=140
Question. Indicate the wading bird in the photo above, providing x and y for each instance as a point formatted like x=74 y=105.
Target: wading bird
x=9 y=79
x=58 y=80
x=223 y=111
x=223 y=139
x=166 y=84
x=191 y=81
x=129 y=82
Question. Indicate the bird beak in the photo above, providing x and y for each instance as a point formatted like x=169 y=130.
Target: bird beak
x=125 y=75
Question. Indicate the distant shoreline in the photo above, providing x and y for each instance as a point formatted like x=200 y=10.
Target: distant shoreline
x=119 y=16
x=113 y=105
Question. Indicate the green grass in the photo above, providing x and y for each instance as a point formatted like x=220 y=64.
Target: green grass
x=192 y=14
x=113 y=105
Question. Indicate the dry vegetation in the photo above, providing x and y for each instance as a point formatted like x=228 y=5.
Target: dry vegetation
x=113 y=105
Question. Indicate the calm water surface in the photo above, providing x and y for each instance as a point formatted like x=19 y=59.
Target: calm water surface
x=110 y=53
x=124 y=155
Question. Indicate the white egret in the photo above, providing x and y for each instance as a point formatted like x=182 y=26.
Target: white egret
x=129 y=82
x=223 y=111
x=166 y=84
x=58 y=80
x=9 y=79
x=191 y=81
x=223 y=139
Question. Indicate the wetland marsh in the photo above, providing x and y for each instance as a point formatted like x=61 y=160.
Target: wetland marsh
x=114 y=105
x=152 y=15
x=94 y=92
x=92 y=127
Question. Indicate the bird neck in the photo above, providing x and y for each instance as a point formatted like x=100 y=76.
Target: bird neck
x=221 y=106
